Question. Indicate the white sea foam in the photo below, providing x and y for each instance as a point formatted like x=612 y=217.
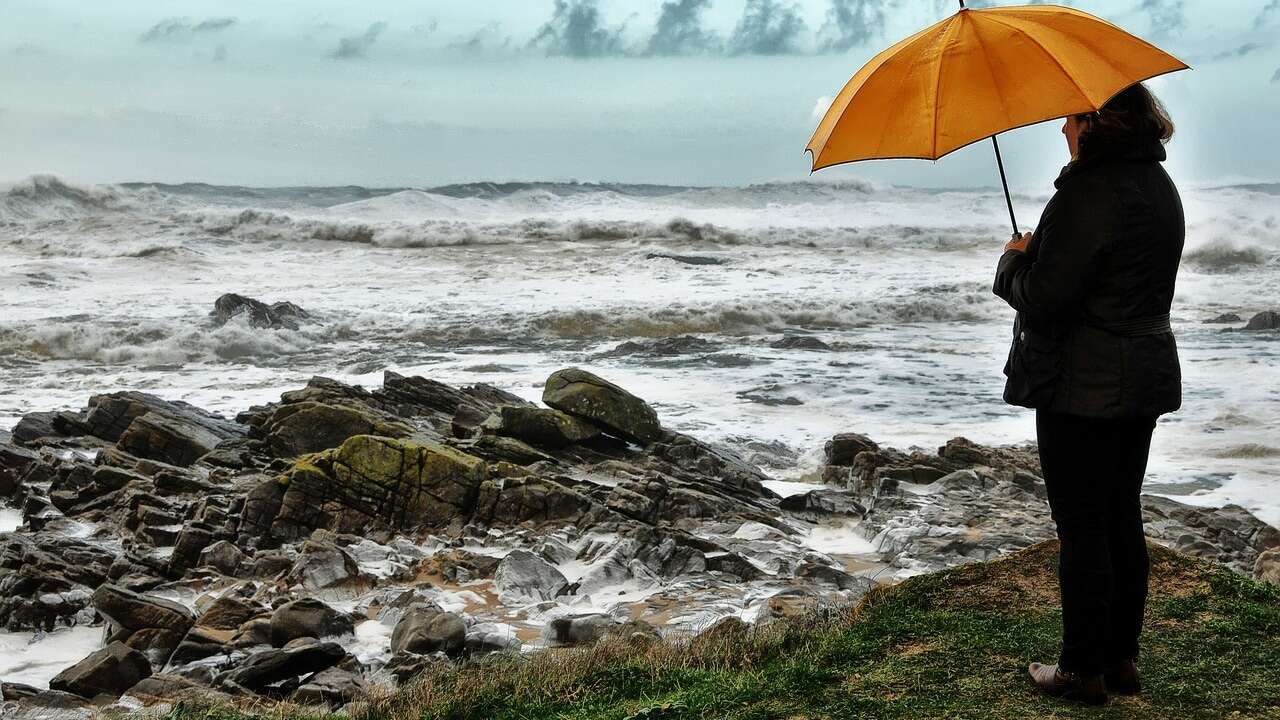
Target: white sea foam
x=34 y=659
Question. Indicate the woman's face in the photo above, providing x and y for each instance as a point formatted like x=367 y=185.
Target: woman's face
x=1072 y=129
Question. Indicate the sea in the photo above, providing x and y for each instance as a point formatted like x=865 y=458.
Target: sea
x=766 y=317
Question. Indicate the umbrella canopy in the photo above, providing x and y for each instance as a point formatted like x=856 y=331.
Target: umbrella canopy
x=978 y=73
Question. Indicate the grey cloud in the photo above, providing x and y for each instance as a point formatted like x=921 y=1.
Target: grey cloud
x=487 y=38
x=179 y=28
x=357 y=46
x=1276 y=76
x=576 y=30
x=1245 y=49
x=1167 y=16
x=768 y=27
x=851 y=23
x=679 y=30
x=1265 y=14
x=220 y=53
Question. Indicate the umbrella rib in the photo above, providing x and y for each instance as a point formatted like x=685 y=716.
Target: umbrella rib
x=1048 y=54
x=990 y=73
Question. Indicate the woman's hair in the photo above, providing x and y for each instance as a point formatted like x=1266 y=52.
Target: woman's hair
x=1134 y=116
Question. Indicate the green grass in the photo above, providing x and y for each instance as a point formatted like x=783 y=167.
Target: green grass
x=953 y=644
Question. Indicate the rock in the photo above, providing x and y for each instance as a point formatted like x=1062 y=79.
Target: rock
x=426 y=629
x=834 y=576
x=724 y=634
x=109 y=416
x=523 y=577
x=662 y=347
x=132 y=611
x=539 y=426
x=267 y=667
x=189 y=546
x=156 y=644
x=109 y=671
x=280 y=315
x=173 y=688
x=33 y=426
x=799 y=342
x=229 y=612
x=14 y=462
x=490 y=637
x=168 y=439
x=1224 y=318
x=841 y=449
x=224 y=557
x=824 y=502
x=1265 y=320
x=686 y=259
x=600 y=402
x=334 y=688
x=1267 y=567
x=1230 y=535
x=512 y=501
x=771 y=394
x=323 y=565
x=307 y=617
x=17 y=691
x=304 y=427
x=585 y=629
x=52 y=705
x=404 y=484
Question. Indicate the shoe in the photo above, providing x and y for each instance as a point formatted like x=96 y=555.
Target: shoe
x=1122 y=678
x=1051 y=680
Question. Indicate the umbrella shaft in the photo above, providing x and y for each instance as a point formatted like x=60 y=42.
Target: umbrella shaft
x=1000 y=164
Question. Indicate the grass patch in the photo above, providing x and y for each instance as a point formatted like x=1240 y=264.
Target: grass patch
x=953 y=644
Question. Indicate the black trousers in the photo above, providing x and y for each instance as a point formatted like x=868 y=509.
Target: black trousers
x=1093 y=470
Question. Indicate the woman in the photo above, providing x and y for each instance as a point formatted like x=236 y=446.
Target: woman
x=1093 y=353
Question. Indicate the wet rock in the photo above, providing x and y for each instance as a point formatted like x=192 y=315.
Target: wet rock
x=511 y=501
x=190 y=545
x=109 y=416
x=305 y=618
x=1265 y=320
x=55 y=704
x=426 y=629
x=133 y=611
x=523 y=577
x=267 y=667
x=600 y=402
x=461 y=566
x=229 y=612
x=402 y=483
x=1267 y=567
x=224 y=557
x=1230 y=535
x=686 y=259
x=156 y=644
x=841 y=449
x=173 y=688
x=1229 y=317
x=585 y=629
x=800 y=342
x=333 y=688
x=280 y=315
x=662 y=347
x=304 y=427
x=541 y=427
x=771 y=394
x=109 y=671
x=823 y=502
x=834 y=576
x=323 y=565
x=168 y=439
x=16 y=691
x=14 y=462
x=33 y=426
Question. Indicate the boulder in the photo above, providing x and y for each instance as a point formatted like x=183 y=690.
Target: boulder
x=109 y=416
x=132 y=611
x=401 y=483
x=799 y=342
x=514 y=500
x=224 y=557
x=174 y=440
x=229 y=612
x=304 y=427
x=109 y=671
x=322 y=565
x=426 y=629
x=267 y=667
x=841 y=449
x=173 y=688
x=1265 y=320
x=585 y=629
x=491 y=637
x=523 y=577
x=539 y=426
x=333 y=688
x=307 y=617
x=33 y=426
x=156 y=644
x=1267 y=567
x=277 y=316
x=600 y=402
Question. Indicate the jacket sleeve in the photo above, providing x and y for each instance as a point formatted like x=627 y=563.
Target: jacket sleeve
x=1071 y=234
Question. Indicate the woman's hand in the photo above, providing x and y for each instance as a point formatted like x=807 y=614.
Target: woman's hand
x=1018 y=243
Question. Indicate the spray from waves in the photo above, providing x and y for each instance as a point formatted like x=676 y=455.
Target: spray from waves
x=1223 y=256
x=1246 y=451
x=152 y=342
x=46 y=197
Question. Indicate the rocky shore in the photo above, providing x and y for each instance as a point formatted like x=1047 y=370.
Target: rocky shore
x=345 y=539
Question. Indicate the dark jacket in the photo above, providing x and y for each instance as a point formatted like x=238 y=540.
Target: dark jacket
x=1093 y=287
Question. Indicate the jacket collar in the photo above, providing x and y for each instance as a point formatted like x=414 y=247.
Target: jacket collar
x=1098 y=155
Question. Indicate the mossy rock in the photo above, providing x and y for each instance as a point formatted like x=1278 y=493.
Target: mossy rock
x=603 y=404
x=542 y=427
x=306 y=427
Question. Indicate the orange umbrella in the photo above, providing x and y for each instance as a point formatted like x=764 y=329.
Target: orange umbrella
x=978 y=73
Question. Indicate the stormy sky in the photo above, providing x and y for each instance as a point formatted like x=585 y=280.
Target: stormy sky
x=668 y=91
